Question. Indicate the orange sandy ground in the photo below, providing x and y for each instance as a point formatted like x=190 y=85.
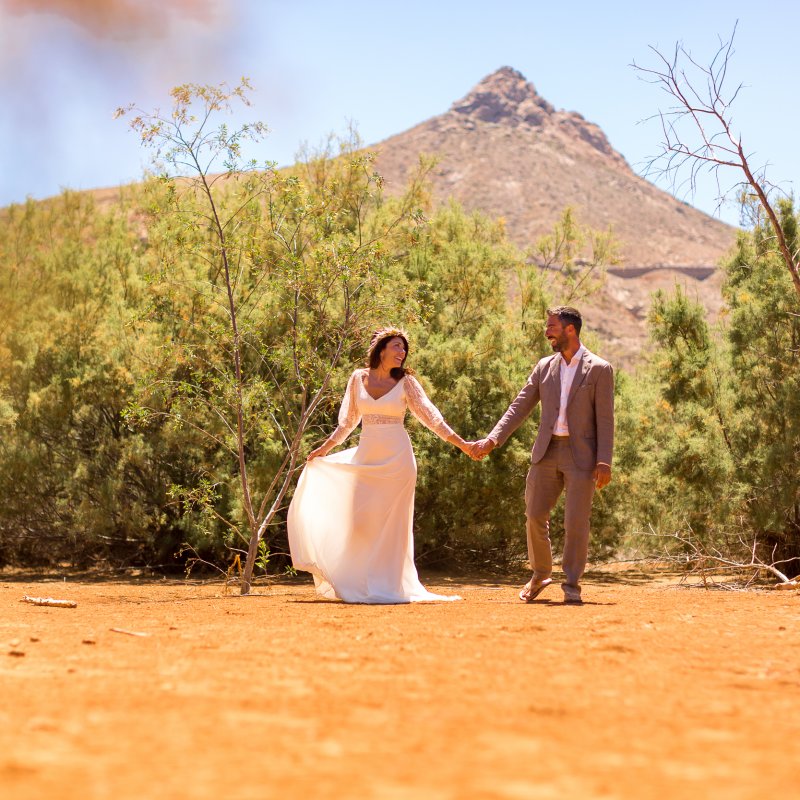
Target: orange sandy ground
x=648 y=690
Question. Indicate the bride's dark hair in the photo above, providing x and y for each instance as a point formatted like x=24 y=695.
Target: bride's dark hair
x=378 y=344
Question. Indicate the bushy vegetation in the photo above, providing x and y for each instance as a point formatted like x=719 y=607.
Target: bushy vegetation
x=710 y=435
x=118 y=404
x=111 y=384
x=131 y=408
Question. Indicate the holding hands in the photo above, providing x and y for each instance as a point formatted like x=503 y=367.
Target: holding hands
x=464 y=446
x=482 y=448
x=477 y=451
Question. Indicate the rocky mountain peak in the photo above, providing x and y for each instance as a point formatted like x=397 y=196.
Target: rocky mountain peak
x=505 y=151
x=505 y=96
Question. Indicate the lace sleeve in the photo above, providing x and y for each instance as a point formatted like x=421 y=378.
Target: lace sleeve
x=425 y=411
x=349 y=414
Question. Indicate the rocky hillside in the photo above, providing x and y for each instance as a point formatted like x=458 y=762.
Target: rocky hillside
x=507 y=151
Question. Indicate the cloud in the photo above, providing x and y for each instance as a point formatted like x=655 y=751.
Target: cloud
x=121 y=19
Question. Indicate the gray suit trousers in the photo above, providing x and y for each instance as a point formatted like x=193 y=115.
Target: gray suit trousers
x=547 y=479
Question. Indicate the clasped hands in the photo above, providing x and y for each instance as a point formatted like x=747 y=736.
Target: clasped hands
x=480 y=449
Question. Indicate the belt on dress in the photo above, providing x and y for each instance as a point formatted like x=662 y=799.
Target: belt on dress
x=559 y=437
x=380 y=419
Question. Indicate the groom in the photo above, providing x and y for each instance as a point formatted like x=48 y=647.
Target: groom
x=572 y=451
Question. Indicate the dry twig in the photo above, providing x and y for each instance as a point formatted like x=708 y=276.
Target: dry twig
x=49 y=601
x=128 y=633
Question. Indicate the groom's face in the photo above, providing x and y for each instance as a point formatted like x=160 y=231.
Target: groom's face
x=556 y=334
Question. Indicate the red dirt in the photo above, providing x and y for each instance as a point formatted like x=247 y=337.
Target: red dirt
x=647 y=690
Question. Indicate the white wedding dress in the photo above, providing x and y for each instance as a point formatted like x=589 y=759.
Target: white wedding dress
x=351 y=519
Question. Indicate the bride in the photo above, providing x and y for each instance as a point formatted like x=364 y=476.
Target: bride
x=351 y=519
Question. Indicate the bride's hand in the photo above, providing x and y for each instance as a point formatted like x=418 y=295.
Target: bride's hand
x=319 y=451
x=467 y=449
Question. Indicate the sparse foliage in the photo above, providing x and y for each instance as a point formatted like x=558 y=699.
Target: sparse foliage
x=266 y=281
x=715 y=424
x=167 y=359
x=698 y=135
x=576 y=256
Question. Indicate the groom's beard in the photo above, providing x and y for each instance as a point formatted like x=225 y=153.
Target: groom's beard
x=559 y=345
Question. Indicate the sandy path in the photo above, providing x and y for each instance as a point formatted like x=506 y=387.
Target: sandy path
x=646 y=691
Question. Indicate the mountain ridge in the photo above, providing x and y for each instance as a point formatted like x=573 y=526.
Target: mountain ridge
x=505 y=150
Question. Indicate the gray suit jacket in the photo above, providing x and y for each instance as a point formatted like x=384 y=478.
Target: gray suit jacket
x=590 y=409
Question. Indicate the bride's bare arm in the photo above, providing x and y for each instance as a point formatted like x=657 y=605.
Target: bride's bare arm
x=349 y=417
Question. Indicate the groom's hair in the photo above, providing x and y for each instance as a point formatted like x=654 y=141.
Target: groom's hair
x=568 y=316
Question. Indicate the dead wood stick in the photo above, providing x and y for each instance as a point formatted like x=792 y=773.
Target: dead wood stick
x=49 y=601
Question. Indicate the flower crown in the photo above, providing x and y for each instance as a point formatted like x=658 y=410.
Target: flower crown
x=384 y=333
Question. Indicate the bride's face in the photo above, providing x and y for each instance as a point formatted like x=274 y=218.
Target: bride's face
x=394 y=354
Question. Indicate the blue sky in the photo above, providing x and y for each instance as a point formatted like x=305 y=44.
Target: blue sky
x=65 y=65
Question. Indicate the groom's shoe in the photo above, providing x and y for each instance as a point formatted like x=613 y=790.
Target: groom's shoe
x=533 y=588
x=572 y=595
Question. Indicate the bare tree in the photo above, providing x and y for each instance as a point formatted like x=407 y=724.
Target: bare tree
x=698 y=134
x=267 y=282
x=739 y=559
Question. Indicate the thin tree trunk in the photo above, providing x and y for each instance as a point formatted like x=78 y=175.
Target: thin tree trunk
x=294 y=449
